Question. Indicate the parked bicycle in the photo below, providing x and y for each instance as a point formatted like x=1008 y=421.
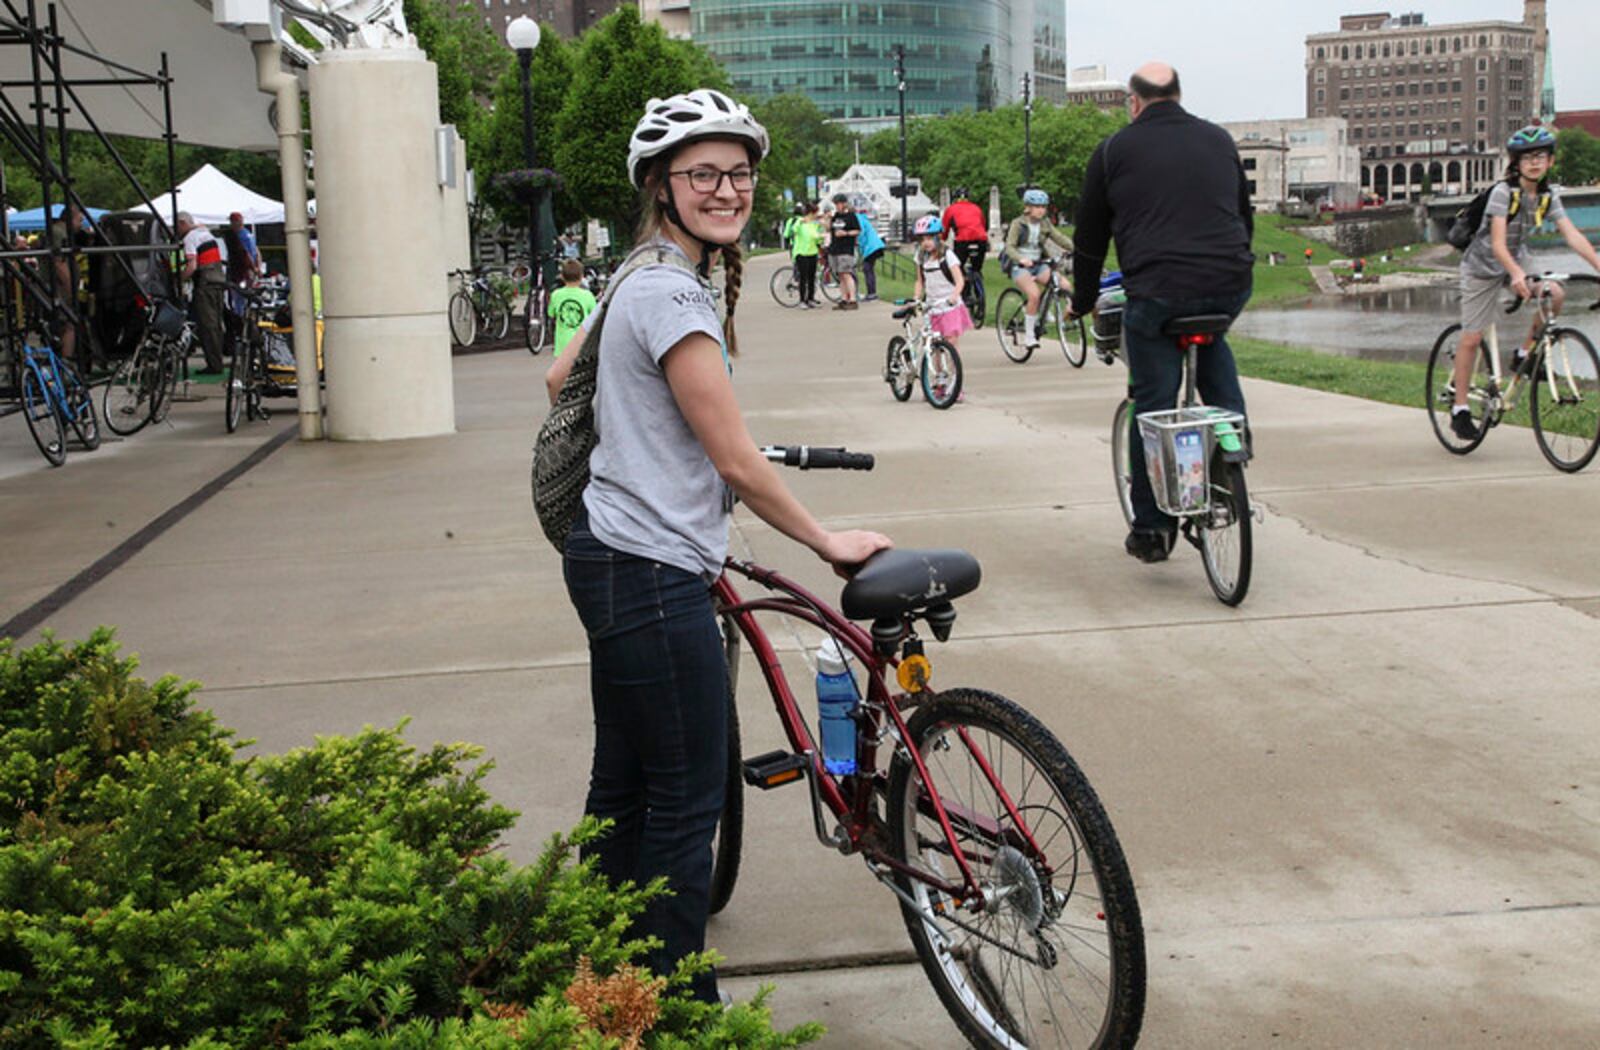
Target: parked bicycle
x=478 y=307
x=54 y=398
x=247 y=380
x=918 y=352
x=142 y=386
x=1053 y=323
x=1195 y=458
x=1010 y=879
x=785 y=284
x=537 y=331
x=1561 y=377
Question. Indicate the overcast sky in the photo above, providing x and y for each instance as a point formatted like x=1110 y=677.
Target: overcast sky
x=1245 y=59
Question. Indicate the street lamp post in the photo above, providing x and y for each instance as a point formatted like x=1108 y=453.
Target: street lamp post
x=523 y=36
x=900 y=83
x=1027 y=129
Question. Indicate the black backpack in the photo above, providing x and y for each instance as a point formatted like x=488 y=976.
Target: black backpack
x=1464 y=226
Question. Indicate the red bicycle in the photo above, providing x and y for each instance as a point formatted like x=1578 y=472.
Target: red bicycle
x=1010 y=879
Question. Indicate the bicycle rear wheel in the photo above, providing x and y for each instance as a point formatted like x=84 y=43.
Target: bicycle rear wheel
x=496 y=315
x=1440 y=392
x=941 y=374
x=1122 y=438
x=78 y=407
x=535 y=325
x=898 y=369
x=1224 y=534
x=1056 y=957
x=44 y=422
x=235 y=394
x=828 y=284
x=171 y=354
x=975 y=297
x=1565 y=402
x=785 y=287
x=128 y=401
x=1009 y=311
x=463 y=319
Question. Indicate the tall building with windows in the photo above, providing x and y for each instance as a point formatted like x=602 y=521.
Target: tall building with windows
x=567 y=17
x=959 y=54
x=1430 y=107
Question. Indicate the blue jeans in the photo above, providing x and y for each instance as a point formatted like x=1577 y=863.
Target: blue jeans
x=1155 y=378
x=659 y=683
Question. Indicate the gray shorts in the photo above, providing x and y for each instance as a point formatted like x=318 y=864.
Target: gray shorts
x=1480 y=302
x=844 y=263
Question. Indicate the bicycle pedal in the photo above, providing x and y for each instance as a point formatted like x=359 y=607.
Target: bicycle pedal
x=774 y=769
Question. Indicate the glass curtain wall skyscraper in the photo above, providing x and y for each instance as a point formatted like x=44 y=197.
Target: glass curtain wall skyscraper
x=960 y=54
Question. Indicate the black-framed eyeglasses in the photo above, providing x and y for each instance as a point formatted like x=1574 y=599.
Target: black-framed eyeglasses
x=709 y=180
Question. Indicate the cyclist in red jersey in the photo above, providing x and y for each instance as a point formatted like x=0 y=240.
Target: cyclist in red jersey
x=964 y=223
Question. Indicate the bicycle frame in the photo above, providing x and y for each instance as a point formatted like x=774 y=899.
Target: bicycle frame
x=1505 y=400
x=852 y=808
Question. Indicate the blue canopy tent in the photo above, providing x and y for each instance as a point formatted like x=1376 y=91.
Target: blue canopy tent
x=32 y=220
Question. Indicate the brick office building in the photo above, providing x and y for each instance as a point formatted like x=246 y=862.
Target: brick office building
x=1430 y=107
x=567 y=17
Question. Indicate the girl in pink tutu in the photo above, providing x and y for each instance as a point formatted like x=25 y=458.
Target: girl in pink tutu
x=940 y=281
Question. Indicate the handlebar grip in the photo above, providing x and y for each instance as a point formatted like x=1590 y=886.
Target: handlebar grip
x=808 y=457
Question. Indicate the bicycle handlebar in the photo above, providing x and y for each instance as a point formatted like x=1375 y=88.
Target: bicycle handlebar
x=1560 y=278
x=809 y=457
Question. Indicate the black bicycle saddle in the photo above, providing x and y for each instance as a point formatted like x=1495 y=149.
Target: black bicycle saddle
x=1198 y=324
x=893 y=582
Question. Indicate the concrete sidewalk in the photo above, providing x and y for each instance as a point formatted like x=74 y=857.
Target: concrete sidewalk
x=1362 y=809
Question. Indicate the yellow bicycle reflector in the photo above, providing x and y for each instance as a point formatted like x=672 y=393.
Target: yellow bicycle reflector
x=914 y=673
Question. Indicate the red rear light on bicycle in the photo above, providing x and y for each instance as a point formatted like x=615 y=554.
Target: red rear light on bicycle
x=1187 y=341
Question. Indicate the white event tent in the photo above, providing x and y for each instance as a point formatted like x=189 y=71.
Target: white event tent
x=210 y=196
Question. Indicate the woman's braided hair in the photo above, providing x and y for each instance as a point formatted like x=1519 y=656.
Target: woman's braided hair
x=652 y=223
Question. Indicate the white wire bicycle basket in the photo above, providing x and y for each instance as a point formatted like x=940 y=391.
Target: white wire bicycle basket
x=1178 y=447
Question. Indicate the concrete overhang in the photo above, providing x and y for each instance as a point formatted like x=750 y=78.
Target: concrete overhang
x=215 y=101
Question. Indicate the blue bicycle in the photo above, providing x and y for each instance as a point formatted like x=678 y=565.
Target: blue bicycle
x=53 y=399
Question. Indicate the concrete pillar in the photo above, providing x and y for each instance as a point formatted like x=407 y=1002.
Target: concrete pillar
x=386 y=343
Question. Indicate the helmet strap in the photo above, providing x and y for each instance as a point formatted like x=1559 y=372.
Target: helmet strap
x=707 y=248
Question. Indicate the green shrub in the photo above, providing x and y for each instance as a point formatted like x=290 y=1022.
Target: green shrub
x=158 y=890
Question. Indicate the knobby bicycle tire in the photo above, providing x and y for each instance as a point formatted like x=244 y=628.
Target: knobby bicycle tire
x=1009 y=326
x=898 y=370
x=1439 y=385
x=1227 y=551
x=1073 y=915
x=43 y=418
x=941 y=390
x=1122 y=438
x=1566 y=421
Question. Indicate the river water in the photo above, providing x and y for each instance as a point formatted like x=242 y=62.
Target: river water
x=1402 y=325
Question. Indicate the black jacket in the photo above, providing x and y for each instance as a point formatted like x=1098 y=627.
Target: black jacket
x=1170 y=190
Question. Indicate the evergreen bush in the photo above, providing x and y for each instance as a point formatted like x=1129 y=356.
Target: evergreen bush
x=157 y=889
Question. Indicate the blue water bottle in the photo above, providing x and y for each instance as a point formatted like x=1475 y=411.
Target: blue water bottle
x=836 y=699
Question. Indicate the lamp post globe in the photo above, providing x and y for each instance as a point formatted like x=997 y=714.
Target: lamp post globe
x=522 y=34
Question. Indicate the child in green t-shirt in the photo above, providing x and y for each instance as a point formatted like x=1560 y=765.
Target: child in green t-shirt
x=571 y=303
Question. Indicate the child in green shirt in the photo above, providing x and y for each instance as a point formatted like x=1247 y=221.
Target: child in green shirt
x=571 y=304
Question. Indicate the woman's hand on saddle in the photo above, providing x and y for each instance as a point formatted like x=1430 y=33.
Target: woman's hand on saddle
x=846 y=550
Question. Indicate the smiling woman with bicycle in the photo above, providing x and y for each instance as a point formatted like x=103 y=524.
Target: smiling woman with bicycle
x=652 y=532
x=1498 y=255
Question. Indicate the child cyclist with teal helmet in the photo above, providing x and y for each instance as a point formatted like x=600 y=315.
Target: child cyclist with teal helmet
x=1026 y=240
x=1498 y=256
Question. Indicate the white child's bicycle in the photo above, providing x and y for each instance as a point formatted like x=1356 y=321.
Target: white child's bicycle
x=920 y=352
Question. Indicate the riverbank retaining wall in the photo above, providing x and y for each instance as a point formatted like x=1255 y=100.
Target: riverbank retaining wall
x=1373 y=230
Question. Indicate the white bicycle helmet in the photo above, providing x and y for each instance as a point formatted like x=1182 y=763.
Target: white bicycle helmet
x=702 y=113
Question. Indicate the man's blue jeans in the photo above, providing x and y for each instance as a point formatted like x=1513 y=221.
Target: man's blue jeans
x=659 y=684
x=1155 y=378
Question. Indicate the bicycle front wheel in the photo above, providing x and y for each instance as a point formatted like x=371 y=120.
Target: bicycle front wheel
x=44 y=422
x=463 y=319
x=941 y=374
x=496 y=316
x=1009 y=311
x=898 y=370
x=1225 y=533
x=1565 y=403
x=535 y=325
x=1070 y=332
x=236 y=394
x=79 y=407
x=129 y=400
x=785 y=287
x=1440 y=392
x=1122 y=438
x=1055 y=958
x=828 y=283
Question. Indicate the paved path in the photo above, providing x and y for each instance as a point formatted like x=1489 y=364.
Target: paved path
x=1361 y=810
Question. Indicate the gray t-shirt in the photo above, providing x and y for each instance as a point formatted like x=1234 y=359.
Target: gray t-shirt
x=1478 y=260
x=653 y=491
